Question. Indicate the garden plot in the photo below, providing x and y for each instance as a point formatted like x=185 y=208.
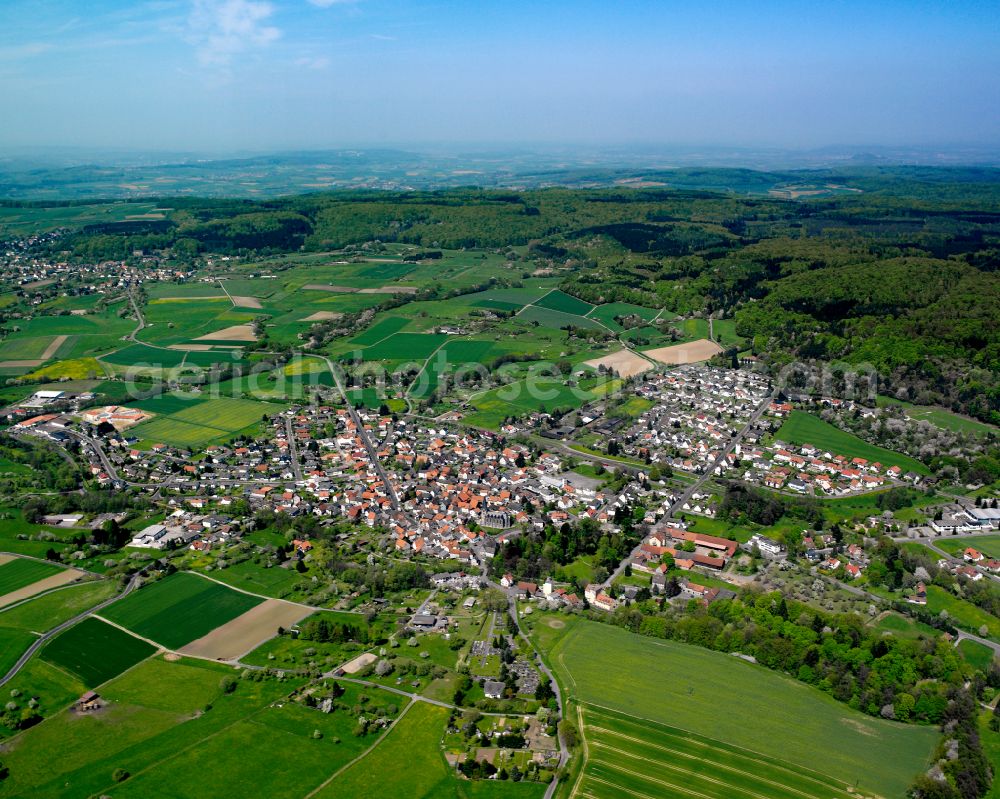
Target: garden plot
x=247 y=632
x=691 y=352
x=624 y=363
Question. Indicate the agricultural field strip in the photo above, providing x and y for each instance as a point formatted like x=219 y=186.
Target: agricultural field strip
x=699 y=741
x=710 y=754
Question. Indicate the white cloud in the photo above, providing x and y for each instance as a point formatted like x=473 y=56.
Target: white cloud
x=328 y=3
x=319 y=62
x=222 y=29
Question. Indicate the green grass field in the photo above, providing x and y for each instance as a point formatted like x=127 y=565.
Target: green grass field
x=626 y=754
x=405 y=346
x=780 y=718
x=13 y=644
x=22 y=572
x=408 y=764
x=556 y=319
x=804 y=428
x=24 y=348
x=45 y=612
x=542 y=394
x=989 y=545
x=941 y=417
x=168 y=724
x=383 y=328
x=201 y=422
x=141 y=355
x=607 y=313
x=178 y=609
x=978 y=656
x=560 y=301
x=95 y=651
x=249 y=576
x=962 y=613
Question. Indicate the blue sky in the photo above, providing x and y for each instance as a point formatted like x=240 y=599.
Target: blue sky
x=269 y=74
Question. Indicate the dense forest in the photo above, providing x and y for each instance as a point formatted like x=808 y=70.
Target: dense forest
x=901 y=278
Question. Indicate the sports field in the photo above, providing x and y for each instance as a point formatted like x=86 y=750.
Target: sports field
x=639 y=757
x=179 y=609
x=95 y=651
x=719 y=697
x=804 y=428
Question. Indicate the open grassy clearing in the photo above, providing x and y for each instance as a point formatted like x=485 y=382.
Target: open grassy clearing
x=408 y=764
x=962 y=613
x=626 y=753
x=179 y=609
x=978 y=655
x=805 y=428
x=95 y=651
x=275 y=581
x=940 y=417
x=904 y=627
x=776 y=716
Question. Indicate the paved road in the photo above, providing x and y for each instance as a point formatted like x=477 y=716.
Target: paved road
x=540 y=665
x=736 y=439
x=293 y=449
x=23 y=660
x=688 y=492
x=365 y=438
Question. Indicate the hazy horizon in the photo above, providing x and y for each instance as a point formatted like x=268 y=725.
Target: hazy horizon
x=231 y=76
